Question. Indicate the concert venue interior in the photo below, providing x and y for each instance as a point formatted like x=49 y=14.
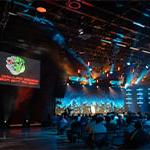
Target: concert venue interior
x=74 y=74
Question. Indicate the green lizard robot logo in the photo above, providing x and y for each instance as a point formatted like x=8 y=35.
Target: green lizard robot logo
x=15 y=64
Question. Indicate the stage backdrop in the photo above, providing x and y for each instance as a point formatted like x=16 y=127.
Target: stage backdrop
x=137 y=98
x=87 y=100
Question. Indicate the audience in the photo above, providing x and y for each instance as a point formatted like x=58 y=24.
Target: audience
x=96 y=130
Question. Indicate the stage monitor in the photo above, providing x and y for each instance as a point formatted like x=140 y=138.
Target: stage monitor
x=19 y=71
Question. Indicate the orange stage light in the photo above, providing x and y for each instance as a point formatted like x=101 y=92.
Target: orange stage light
x=41 y=9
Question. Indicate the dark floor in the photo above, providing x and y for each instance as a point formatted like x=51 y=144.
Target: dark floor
x=36 y=139
x=43 y=139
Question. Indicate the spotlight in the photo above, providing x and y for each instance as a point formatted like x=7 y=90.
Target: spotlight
x=41 y=9
x=5 y=121
x=111 y=72
x=128 y=63
x=81 y=31
x=97 y=86
x=79 y=71
x=67 y=83
x=146 y=67
x=90 y=69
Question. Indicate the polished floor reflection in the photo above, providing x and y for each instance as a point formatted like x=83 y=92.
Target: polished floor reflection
x=36 y=139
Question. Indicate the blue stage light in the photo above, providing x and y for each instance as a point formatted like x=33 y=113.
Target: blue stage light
x=128 y=63
x=129 y=94
x=139 y=94
x=145 y=14
x=139 y=89
x=128 y=89
x=128 y=98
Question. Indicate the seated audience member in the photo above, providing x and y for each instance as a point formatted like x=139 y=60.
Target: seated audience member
x=119 y=121
x=138 y=137
x=91 y=124
x=98 y=133
x=62 y=124
x=75 y=130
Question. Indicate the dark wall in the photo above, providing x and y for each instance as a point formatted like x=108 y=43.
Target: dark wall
x=21 y=37
x=37 y=105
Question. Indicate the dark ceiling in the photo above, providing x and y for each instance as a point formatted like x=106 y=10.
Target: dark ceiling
x=102 y=32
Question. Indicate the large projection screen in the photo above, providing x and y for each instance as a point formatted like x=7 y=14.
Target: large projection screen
x=19 y=71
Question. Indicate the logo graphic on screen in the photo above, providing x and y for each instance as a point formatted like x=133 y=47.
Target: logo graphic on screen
x=15 y=64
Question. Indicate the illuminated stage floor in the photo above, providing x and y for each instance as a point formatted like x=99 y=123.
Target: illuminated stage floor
x=36 y=139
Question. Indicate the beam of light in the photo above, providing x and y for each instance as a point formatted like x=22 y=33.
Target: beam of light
x=126 y=85
x=112 y=68
x=129 y=79
x=118 y=40
x=106 y=41
x=23 y=94
x=53 y=34
x=146 y=15
x=74 y=78
x=143 y=73
x=121 y=45
x=147 y=52
x=121 y=35
x=134 y=48
x=139 y=24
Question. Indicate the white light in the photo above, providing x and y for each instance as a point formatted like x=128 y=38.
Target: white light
x=134 y=48
x=67 y=83
x=146 y=67
x=5 y=121
x=122 y=45
x=138 y=24
x=97 y=86
x=128 y=63
x=147 y=52
x=81 y=32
